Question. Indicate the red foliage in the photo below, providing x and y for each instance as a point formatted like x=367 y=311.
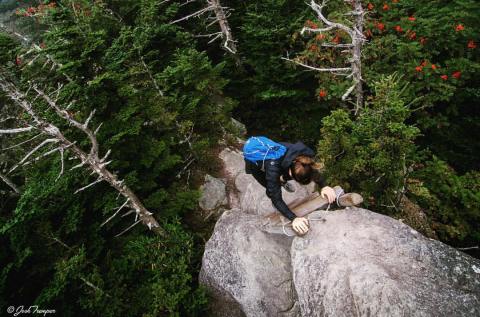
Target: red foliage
x=444 y=77
x=471 y=44
x=423 y=40
x=459 y=27
x=380 y=26
x=419 y=68
x=434 y=67
x=322 y=93
x=311 y=24
x=398 y=28
x=412 y=18
x=385 y=7
x=370 y=6
x=456 y=74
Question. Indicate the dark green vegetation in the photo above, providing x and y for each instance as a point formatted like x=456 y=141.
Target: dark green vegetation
x=154 y=84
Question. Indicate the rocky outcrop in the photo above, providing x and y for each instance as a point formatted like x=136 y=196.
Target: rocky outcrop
x=214 y=193
x=353 y=262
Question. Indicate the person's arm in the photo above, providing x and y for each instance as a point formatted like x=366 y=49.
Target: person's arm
x=325 y=191
x=274 y=189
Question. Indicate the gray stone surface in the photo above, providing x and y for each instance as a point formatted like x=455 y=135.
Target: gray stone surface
x=353 y=262
x=239 y=127
x=250 y=267
x=214 y=193
x=360 y=263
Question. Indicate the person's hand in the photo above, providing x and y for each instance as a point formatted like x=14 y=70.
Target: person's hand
x=300 y=225
x=328 y=193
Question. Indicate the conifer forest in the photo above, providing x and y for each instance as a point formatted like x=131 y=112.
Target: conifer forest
x=113 y=111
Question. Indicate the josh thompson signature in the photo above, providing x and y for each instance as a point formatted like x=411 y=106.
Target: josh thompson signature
x=16 y=311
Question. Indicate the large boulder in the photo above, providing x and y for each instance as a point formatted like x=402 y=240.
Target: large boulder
x=353 y=262
x=249 y=269
x=360 y=263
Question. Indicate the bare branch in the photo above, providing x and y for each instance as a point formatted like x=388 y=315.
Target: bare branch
x=128 y=213
x=468 y=248
x=90 y=160
x=10 y=183
x=21 y=143
x=99 y=179
x=33 y=151
x=17 y=130
x=133 y=225
x=35 y=48
x=318 y=9
x=337 y=45
x=42 y=156
x=331 y=70
x=348 y=92
x=160 y=92
x=116 y=212
x=67 y=116
x=193 y=15
x=62 y=162
x=357 y=39
x=7 y=118
x=228 y=41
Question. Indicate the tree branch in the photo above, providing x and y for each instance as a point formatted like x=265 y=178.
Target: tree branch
x=17 y=130
x=91 y=160
x=10 y=183
x=331 y=70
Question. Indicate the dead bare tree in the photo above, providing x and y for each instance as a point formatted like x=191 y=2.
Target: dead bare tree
x=220 y=15
x=10 y=183
x=90 y=160
x=355 y=32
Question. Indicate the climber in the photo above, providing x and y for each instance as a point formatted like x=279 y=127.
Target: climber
x=272 y=164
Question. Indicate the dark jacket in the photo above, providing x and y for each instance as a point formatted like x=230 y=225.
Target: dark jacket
x=270 y=176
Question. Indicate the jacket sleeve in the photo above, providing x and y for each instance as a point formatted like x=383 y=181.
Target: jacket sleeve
x=274 y=190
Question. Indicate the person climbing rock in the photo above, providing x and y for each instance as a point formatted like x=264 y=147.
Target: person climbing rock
x=273 y=164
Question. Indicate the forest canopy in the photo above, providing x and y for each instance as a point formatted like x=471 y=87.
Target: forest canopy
x=112 y=111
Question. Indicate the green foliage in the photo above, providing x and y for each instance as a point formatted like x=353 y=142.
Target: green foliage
x=434 y=45
x=161 y=105
x=8 y=46
x=164 y=95
x=451 y=200
x=371 y=153
x=274 y=97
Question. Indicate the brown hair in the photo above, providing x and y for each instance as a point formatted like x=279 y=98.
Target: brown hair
x=304 y=169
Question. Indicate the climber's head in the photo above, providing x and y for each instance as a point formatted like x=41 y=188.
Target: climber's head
x=303 y=169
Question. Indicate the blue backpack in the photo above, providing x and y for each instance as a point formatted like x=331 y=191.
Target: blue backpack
x=260 y=148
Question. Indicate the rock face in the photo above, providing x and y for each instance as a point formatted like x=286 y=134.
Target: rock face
x=353 y=262
x=214 y=193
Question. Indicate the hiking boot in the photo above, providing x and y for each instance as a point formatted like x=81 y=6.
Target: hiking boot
x=347 y=200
